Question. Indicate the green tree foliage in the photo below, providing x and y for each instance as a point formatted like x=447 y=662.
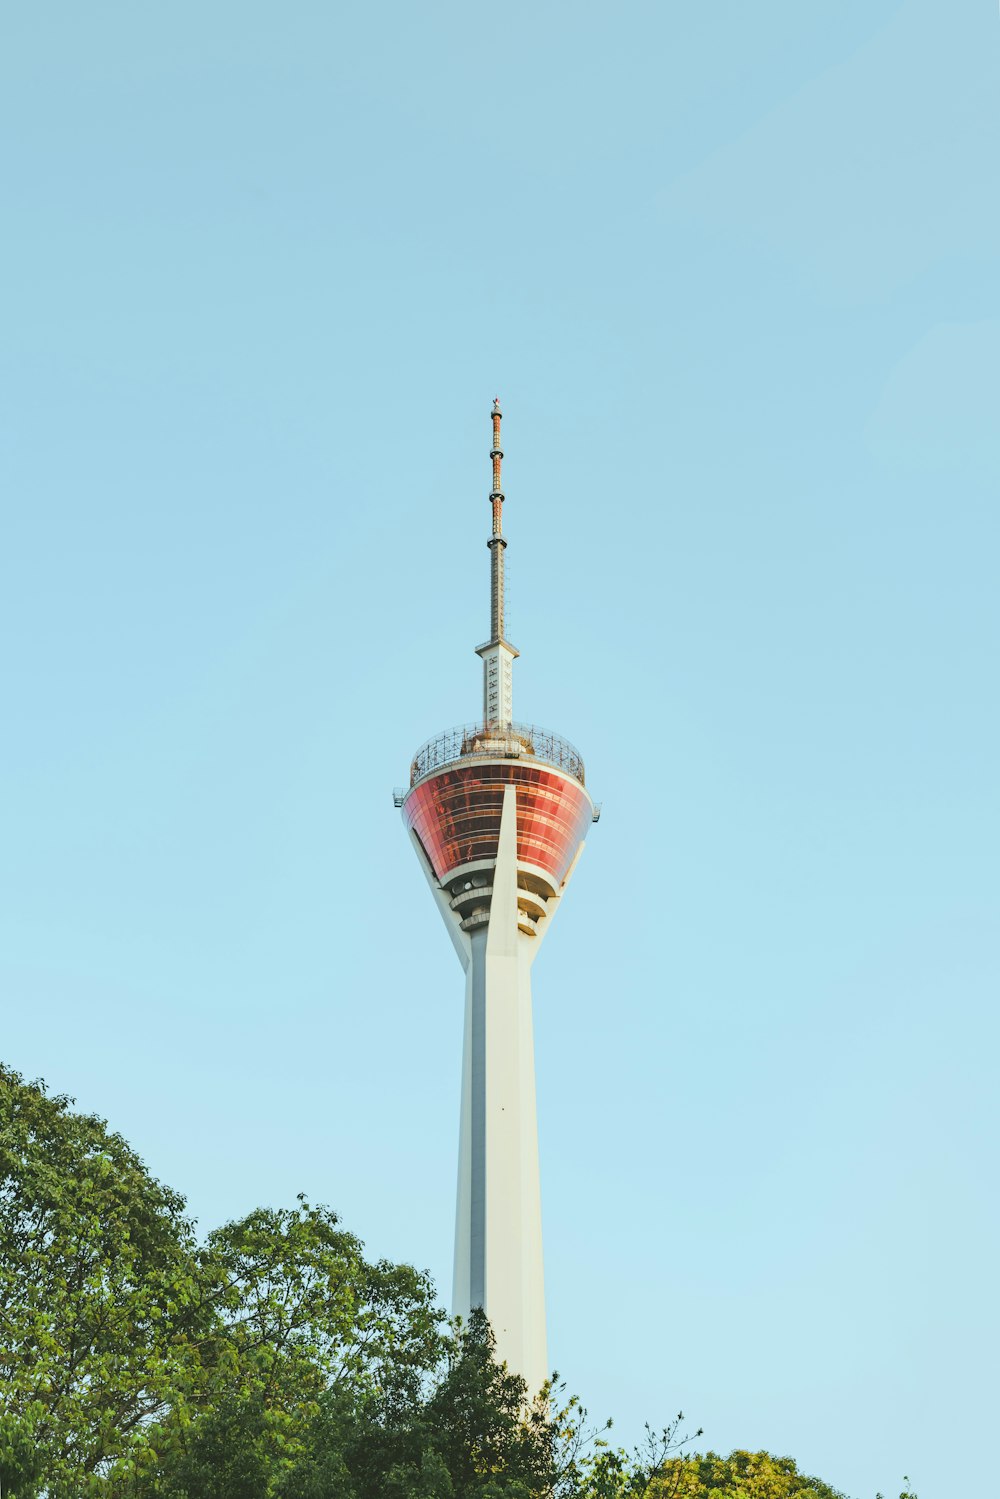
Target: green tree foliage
x=472 y=1436
x=307 y=1336
x=589 y=1467
x=452 y=1427
x=100 y=1293
x=303 y=1311
x=741 y=1475
x=22 y=1461
x=272 y=1362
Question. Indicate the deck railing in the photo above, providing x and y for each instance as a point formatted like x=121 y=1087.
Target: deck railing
x=496 y=742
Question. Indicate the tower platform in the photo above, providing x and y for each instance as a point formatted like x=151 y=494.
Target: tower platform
x=454 y=809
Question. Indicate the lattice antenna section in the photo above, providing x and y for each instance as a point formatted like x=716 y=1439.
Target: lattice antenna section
x=496 y=543
x=497 y=654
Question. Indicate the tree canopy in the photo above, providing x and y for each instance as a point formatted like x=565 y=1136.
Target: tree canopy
x=102 y=1303
x=271 y=1361
x=741 y=1475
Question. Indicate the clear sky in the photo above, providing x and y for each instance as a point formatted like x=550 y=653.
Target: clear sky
x=733 y=270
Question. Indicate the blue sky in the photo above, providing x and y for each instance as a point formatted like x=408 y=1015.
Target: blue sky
x=733 y=271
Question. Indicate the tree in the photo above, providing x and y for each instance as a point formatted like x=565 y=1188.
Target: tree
x=472 y=1436
x=303 y=1311
x=311 y=1343
x=273 y=1362
x=457 y=1428
x=21 y=1461
x=741 y=1475
x=100 y=1294
x=587 y=1466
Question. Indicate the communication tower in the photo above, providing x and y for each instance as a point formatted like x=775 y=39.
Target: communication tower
x=497 y=812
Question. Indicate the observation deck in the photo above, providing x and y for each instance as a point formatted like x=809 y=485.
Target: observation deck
x=455 y=800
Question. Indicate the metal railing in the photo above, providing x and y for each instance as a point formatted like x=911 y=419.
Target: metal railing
x=496 y=742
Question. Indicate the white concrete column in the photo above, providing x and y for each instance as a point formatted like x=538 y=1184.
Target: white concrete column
x=462 y=1282
x=498 y=1235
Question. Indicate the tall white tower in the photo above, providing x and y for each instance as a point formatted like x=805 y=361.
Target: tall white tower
x=497 y=812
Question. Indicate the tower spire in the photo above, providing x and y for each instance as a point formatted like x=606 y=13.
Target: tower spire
x=497 y=543
x=496 y=454
x=497 y=654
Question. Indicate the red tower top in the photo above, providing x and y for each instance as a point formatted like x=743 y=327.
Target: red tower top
x=457 y=779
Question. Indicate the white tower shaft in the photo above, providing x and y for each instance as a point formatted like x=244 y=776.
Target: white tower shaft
x=498 y=1229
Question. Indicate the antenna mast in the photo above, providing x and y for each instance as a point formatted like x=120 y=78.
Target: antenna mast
x=497 y=654
x=497 y=544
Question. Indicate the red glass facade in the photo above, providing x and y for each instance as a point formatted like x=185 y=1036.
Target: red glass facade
x=456 y=815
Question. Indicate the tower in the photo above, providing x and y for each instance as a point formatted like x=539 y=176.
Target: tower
x=497 y=813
